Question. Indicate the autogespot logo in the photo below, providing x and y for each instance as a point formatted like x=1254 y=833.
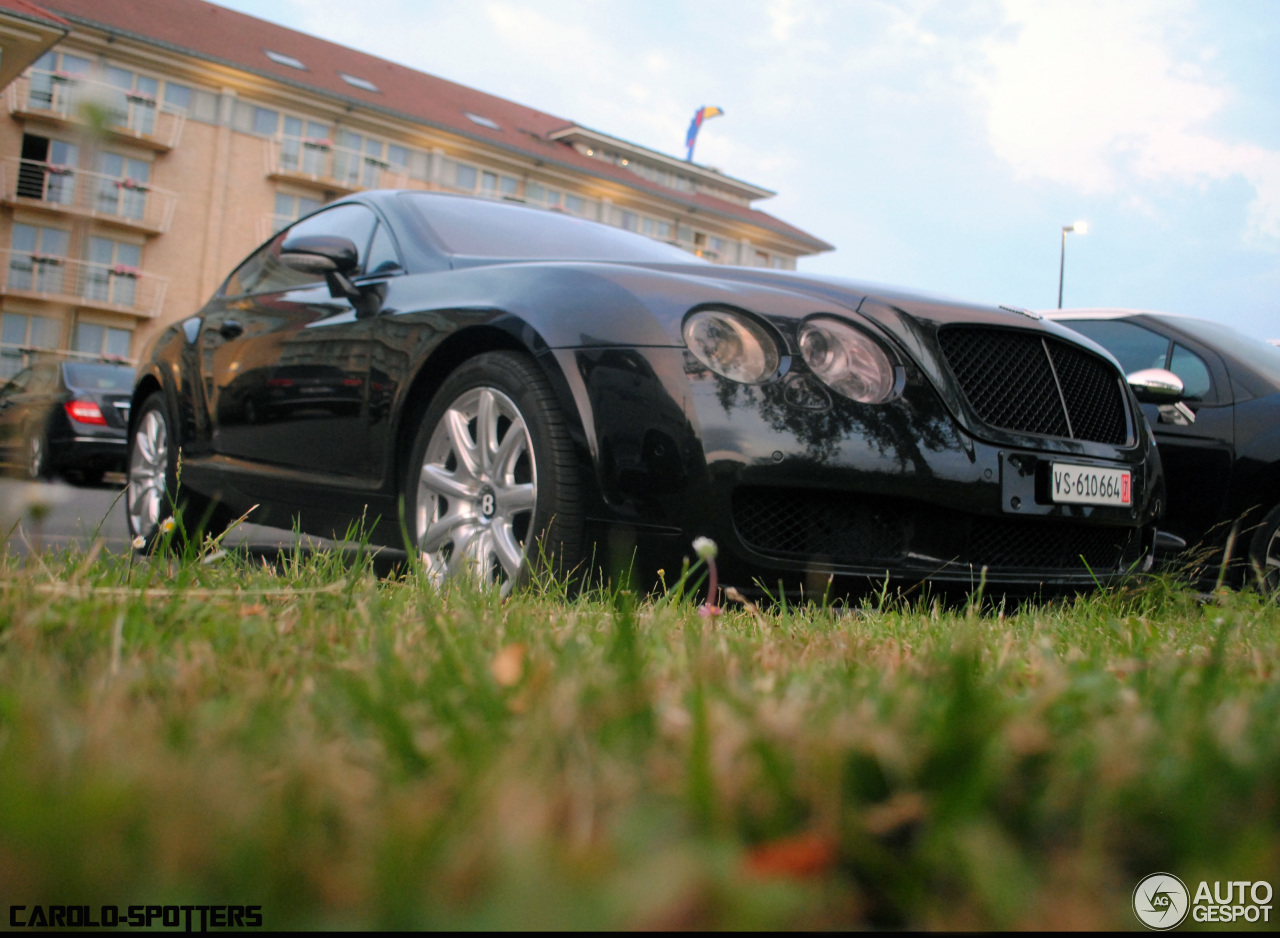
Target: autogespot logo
x=1160 y=901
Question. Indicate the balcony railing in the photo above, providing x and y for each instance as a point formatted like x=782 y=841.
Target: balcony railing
x=328 y=166
x=81 y=283
x=81 y=100
x=126 y=202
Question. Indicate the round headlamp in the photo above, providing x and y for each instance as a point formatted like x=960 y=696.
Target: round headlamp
x=732 y=345
x=847 y=360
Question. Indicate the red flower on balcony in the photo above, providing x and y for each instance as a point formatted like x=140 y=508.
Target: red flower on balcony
x=59 y=169
x=318 y=143
x=132 y=184
x=121 y=270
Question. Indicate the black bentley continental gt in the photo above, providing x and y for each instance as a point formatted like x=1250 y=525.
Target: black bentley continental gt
x=521 y=385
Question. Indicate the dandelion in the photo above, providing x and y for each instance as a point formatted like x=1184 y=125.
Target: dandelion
x=706 y=550
x=167 y=525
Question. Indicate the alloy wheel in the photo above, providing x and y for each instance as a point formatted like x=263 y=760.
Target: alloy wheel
x=148 y=470
x=477 y=490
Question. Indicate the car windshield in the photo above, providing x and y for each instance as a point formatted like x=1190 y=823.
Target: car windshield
x=475 y=228
x=1257 y=354
x=96 y=377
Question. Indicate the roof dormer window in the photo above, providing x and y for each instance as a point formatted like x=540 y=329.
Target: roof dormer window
x=281 y=59
x=482 y=120
x=358 y=82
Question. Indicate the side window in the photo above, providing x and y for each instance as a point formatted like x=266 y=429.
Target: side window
x=264 y=273
x=1135 y=347
x=1194 y=373
x=383 y=258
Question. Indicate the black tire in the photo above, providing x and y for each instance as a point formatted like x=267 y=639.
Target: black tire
x=37 y=456
x=153 y=493
x=1264 y=551
x=507 y=510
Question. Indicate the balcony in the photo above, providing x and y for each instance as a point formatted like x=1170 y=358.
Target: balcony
x=115 y=289
x=68 y=190
x=60 y=98
x=329 y=168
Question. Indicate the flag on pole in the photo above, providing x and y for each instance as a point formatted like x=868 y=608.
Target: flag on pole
x=701 y=114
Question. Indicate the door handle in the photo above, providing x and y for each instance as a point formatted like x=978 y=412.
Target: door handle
x=230 y=329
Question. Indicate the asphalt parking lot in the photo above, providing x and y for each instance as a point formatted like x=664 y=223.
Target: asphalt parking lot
x=56 y=515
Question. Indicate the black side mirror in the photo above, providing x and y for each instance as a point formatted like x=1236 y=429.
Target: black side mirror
x=332 y=256
x=320 y=254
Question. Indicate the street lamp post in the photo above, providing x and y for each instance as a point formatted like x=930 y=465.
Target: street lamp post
x=1080 y=227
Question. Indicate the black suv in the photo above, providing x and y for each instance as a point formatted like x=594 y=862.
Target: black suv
x=64 y=416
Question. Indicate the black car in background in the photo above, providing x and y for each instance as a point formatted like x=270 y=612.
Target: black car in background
x=516 y=384
x=1221 y=446
x=61 y=416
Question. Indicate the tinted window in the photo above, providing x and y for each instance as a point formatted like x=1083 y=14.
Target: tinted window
x=1194 y=373
x=263 y=272
x=1261 y=356
x=383 y=258
x=475 y=228
x=91 y=377
x=1134 y=347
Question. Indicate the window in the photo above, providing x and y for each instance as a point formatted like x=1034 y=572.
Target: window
x=465 y=177
x=264 y=273
x=357 y=82
x=289 y=208
x=122 y=185
x=281 y=59
x=177 y=97
x=265 y=121
x=53 y=77
x=111 y=276
x=93 y=339
x=305 y=146
x=134 y=102
x=1190 y=367
x=383 y=257
x=1133 y=346
x=496 y=186
x=482 y=120
x=18 y=331
x=47 y=170
x=38 y=258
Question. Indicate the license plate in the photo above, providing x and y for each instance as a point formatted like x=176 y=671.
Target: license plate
x=1090 y=485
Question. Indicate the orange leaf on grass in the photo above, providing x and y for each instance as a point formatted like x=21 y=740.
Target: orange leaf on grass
x=794 y=857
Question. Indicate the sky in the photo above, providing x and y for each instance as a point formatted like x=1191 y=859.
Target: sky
x=941 y=146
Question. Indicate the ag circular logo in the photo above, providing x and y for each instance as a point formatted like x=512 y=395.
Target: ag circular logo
x=1160 y=901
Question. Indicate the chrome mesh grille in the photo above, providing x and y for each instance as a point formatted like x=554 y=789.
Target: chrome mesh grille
x=1030 y=383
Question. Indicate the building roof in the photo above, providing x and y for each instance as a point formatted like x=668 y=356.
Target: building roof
x=227 y=37
x=30 y=11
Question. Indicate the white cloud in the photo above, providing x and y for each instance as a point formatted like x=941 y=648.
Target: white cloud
x=1093 y=94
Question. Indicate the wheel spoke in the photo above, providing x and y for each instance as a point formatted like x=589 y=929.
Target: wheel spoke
x=511 y=448
x=510 y=554
x=440 y=481
x=451 y=527
x=486 y=429
x=515 y=499
x=463 y=446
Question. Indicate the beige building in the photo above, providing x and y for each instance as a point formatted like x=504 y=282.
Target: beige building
x=158 y=141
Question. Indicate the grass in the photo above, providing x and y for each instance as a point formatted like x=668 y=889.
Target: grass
x=349 y=751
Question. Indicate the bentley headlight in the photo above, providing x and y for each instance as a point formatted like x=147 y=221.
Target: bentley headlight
x=847 y=360
x=731 y=345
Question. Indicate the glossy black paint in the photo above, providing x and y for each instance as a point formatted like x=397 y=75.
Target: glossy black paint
x=307 y=407
x=1223 y=469
x=32 y=407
